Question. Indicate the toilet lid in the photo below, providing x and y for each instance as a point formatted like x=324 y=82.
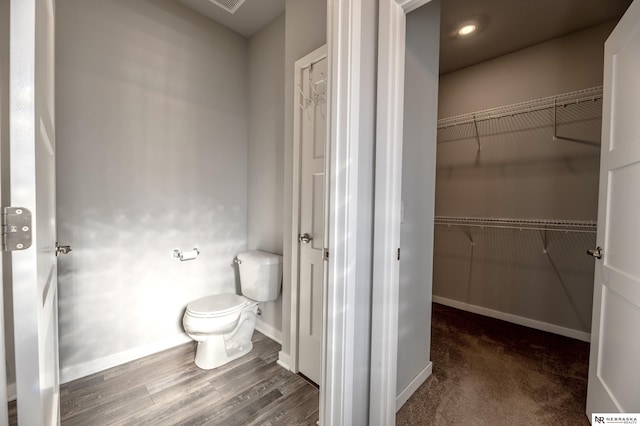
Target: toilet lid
x=217 y=305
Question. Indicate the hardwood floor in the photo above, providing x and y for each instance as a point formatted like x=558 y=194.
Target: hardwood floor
x=168 y=389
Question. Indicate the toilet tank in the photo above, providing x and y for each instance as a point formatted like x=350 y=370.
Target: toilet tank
x=260 y=275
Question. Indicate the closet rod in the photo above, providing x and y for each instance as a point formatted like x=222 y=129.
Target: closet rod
x=519 y=224
x=579 y=96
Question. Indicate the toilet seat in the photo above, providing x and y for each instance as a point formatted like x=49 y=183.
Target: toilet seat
x=217 y=306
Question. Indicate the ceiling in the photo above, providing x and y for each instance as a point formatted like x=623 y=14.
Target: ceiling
x=249 y=18
x=504 y=25
x=509 y=25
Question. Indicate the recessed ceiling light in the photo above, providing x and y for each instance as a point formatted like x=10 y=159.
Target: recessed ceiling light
x=467 y=29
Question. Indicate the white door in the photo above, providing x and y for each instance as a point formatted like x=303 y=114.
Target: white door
x=32 y=139
x=614 y=376
x=313 y=123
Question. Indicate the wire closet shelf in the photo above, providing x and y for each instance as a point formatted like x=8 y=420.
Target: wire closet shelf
x=551 y=102
x=567 y=226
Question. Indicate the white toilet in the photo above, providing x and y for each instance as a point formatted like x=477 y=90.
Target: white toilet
x=223 y=324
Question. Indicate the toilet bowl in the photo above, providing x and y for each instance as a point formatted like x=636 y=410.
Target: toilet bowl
x=223 y=324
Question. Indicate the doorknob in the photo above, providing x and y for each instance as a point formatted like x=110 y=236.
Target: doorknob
x=305 y=238
x=597 y=253
x=62 y=249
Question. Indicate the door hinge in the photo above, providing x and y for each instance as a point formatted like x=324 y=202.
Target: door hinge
x=325 y=254
x=398 y=257
x=16 y=228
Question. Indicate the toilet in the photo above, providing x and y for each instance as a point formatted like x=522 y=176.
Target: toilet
x=223 y=324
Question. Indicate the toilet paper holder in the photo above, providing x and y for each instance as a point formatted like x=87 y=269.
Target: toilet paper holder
x=188 y=255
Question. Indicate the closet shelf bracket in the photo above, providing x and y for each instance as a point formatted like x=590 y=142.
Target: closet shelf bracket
x=475 y=124
x=467 y=232
x=545 y=241
x=555 y=125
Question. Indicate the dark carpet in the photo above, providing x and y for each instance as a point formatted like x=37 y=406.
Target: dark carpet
x=490 y=372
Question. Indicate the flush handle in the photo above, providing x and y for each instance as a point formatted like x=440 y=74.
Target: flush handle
x=305 y=238
x=597 y=252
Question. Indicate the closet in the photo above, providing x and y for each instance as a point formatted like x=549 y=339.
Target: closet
x=517 y=186
x=516 y=153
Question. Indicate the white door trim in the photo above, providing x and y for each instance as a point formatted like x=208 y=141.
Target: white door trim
x=388 y=189
x=4 y=412
x=345 y=43
x=301 y=64
x=4 y=416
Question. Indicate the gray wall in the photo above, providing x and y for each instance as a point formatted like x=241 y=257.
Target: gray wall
x=572 y=62
x=305 y=31
x=152 y=156
x=265 y=198
x=521 y=173
x=418 y=179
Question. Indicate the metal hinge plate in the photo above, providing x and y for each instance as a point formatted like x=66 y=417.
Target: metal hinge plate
x=325 y=254
x=16 y=228
x=398 y=256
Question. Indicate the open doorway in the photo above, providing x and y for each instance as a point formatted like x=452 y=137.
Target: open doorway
x=111 y=72
x=478 y=166
x=162 y=110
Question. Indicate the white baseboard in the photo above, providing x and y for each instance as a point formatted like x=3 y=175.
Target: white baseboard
x=527 y=322
x=11 y=392
x=268 y=330
x=413 y=386
x=284 y=360
x=74 y=372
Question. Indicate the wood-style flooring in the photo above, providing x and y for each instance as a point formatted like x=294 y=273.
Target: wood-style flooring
x=168 y=389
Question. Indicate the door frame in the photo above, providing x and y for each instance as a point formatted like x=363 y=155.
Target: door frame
x=301 y=64
x=350 y=33
x=345 y=41
x=4 y=412
x=388 y=190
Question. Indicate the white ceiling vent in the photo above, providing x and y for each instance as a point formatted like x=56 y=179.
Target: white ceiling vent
x=229 y=5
